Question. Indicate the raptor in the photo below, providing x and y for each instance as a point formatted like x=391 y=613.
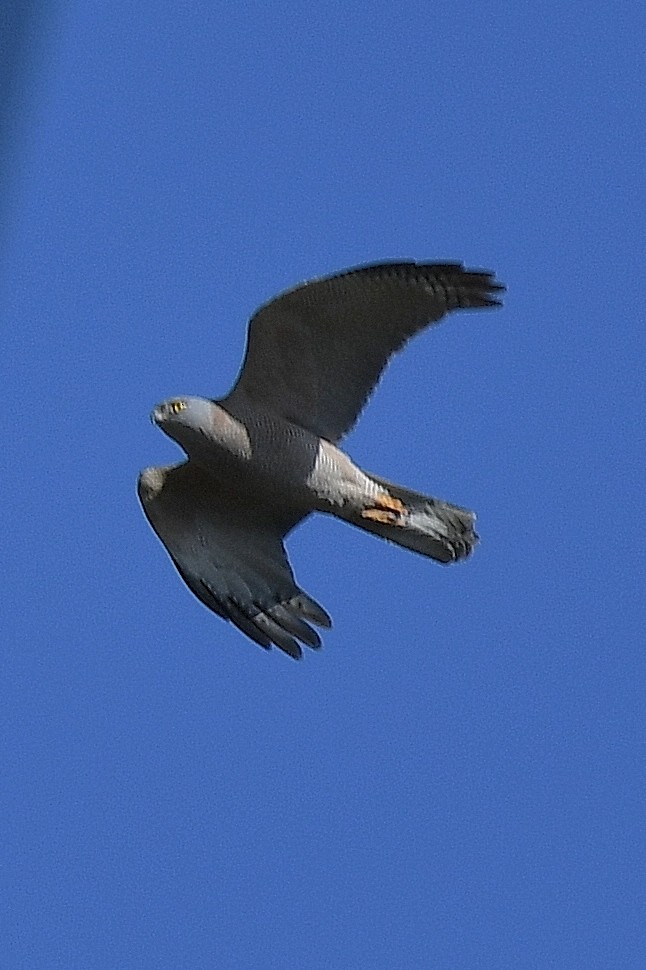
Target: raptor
x=265 y=457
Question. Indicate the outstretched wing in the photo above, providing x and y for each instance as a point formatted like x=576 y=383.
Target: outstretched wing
x=231 y=555
x=315 y=353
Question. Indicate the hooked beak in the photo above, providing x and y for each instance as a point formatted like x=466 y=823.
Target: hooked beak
x=156 y=414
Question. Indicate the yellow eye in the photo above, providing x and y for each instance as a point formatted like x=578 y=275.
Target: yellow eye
x=177 y=406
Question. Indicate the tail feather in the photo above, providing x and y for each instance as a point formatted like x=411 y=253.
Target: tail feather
x=430 y=527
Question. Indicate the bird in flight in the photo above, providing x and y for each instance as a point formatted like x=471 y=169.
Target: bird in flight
x=262 y=459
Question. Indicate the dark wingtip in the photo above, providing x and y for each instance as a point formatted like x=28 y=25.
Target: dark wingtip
x=311 y=610
x=478 y=289
x=494 y=286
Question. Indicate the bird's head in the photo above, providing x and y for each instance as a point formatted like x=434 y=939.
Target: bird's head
x=185 y=419
x=181 y=412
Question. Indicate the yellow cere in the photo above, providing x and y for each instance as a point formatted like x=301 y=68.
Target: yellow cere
x=177 y=406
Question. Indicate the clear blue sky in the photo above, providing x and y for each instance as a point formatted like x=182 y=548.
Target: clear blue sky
x=457 y=780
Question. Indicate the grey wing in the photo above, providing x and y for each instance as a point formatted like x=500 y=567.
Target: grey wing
x=315 y=353
x=231 y=556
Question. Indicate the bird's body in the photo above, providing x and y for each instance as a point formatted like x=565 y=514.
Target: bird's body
x=266 y=456
x=262 y=454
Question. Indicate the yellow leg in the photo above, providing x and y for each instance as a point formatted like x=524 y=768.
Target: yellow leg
x=386 y=509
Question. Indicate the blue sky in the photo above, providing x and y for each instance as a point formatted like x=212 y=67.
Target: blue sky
x=457 y=780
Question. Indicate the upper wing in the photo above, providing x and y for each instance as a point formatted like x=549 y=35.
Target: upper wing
x=315 y=352
x=231 y=556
